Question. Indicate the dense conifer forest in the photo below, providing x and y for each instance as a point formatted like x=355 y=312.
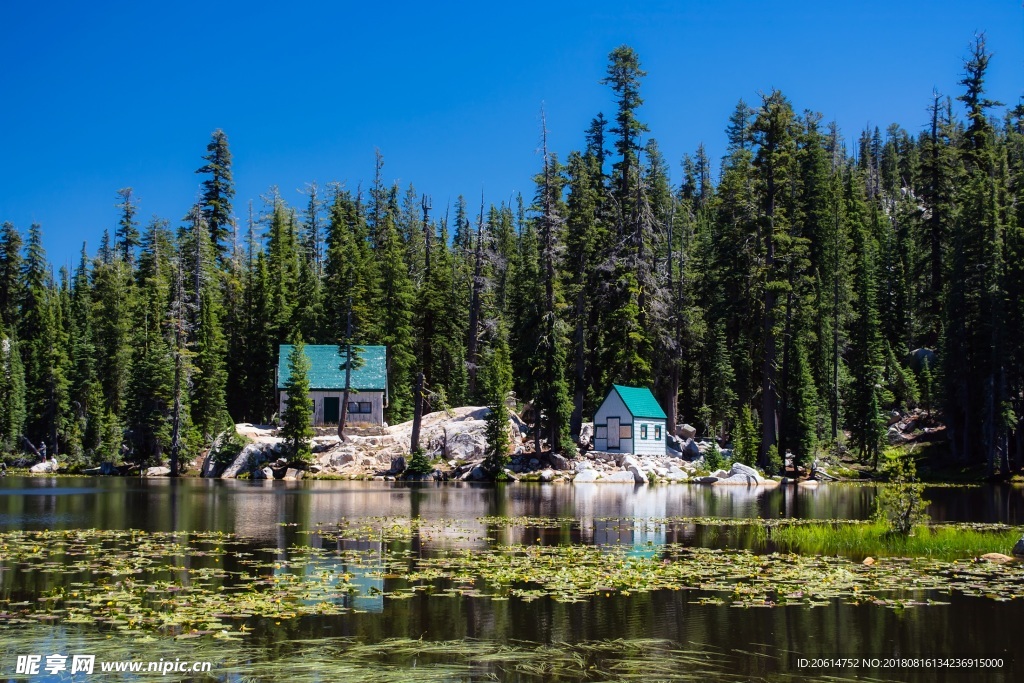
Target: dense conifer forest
x=786 y=298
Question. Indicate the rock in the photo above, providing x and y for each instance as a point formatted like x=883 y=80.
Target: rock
x=397 y=464
x=630 y=464
x=721 y=474
x=894 y=417
x=208 y=470
x=1018 y=548
x=341 y=457
x=512 y=477
x=691 y=449
x=686 y=431
x=621 y=477
x=908 y=426
x=583 y=465
x=292 y=474
x=741 y=479
x=917 y=359
x=707 y=480
x=547 y=475
x=107 y=469
x=265 y=473
x=585 y=476
x=587 y=435
x=558 y=462
x=476 y=473
x=745 y=470
x=868 y=561
x=676 y=474
x=44 y=467
x=996 y=558
x=315 y=468
x=157 y=472
x=250 y=457
x=894 y=436
x=534 y=462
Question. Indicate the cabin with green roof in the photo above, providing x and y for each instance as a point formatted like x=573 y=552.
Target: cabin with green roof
x=368 y=385
x=630 y=420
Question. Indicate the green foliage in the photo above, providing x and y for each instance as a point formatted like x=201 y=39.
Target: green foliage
x=498 y=382
x=794 y=281
x=745 y=443
x=419 y=463
x=712 y=457
x=900 y=505
x=296 y=422
x=774 y=461
x=229 y=448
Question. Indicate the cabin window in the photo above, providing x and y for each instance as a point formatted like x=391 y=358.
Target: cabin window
x=643 y=432
x=657 y=432
x=601 y=432
x=355 y=407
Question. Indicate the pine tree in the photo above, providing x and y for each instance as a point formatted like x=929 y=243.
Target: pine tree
x=12 y=393
x=865 y=360
x=86 y=392
x=297 y=420
x=395 y=329
x=10 y=276
x=151 y=386
x=218 y=191
x=127 y=234
x=498 y=379
x=773 y=134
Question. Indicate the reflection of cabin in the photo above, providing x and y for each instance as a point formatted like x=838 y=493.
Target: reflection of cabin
x=368 y=393
x=630 y=420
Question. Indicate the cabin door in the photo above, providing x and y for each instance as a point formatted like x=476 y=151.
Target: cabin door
x=613 y=432
x=332 y=409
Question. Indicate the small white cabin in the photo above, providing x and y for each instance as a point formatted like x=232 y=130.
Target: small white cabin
x=630 y=420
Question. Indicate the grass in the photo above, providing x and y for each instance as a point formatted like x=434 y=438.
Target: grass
x=939 y=541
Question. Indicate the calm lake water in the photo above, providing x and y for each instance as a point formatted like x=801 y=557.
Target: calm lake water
x=647 y=636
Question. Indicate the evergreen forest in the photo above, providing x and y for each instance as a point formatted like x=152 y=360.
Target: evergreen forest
x=787 y=297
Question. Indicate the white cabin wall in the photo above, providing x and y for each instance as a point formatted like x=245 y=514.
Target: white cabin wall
x=650 y=445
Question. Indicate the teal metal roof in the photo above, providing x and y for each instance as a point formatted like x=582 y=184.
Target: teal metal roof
x=640 y=402
x=327 y=370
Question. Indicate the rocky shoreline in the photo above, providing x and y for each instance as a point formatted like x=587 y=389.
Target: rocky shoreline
x=455 y=443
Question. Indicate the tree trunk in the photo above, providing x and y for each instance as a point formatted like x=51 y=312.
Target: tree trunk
x=343 y=418
x=474 y=308
x=417 y=414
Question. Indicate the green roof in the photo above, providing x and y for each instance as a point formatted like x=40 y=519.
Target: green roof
x=327 y=369
x=640 y=402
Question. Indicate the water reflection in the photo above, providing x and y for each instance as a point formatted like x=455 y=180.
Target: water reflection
x=258 y=509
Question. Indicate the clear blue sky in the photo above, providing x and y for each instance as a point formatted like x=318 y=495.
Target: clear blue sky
x=95 y=96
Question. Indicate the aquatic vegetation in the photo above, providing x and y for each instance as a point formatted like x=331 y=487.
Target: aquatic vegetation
x=209 y=583
x=411 y=660
x=175 y=582
x=946 y=541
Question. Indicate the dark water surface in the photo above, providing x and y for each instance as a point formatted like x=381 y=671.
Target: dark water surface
x=648 y=636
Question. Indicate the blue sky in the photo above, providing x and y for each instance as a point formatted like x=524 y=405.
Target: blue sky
x=103 y=95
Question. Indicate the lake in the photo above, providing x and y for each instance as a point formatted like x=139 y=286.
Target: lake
x=378 y=581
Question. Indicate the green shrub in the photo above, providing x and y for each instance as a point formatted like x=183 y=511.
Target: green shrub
x=775 y=464
x=900 y=505
x=419 y=463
